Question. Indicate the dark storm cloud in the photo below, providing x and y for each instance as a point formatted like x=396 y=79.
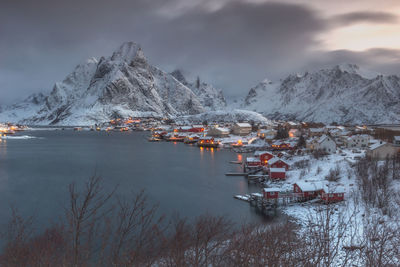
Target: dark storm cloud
x=385 y=61
x=364 y=17
x=232 y=44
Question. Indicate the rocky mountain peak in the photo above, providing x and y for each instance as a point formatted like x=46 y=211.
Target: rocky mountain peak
x=179 y=76
x=129 y=52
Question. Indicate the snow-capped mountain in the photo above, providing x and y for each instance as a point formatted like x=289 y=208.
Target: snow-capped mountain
x=124 y=84
x=344 y=94
x=210 y=97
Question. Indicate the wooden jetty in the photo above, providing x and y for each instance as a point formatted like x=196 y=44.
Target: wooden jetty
x=235 y=174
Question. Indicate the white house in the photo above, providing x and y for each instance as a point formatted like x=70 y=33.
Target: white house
x=325 y=143
x=267 y=134
x=216 y=131
x=241 y=128
x=357 y=141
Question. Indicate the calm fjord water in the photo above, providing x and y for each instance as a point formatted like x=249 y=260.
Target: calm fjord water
x=35 y=173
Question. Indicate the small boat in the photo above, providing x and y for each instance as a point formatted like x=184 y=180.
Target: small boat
x=78 y=129
x=154 y=139
x=191 y=139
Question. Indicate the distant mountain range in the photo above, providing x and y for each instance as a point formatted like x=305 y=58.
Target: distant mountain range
x=122 y=85
x=344 y=94
x=125 y=84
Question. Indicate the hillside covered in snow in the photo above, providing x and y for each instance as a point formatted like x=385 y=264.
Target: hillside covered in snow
x=122 y=85
x=344 y=94
x=235 y=115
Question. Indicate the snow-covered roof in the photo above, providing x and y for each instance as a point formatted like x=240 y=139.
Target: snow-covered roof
x=221 y=129
x=185 y=127
x=310 y=186
x=252 y=159
x=243 y=124
x=197 y=126
x=333 y=189
x=259 y=153
x=323 y=138
x=276 y=159
x=272 y=189
x=377 y=145
x=277 y=169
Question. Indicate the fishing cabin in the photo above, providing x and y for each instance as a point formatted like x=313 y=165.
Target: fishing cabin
x=277 y=173
x=271 y=193
x=264 y=156
x=253 y=162
x=332 y=194
x=308 y=190
x=278 y=163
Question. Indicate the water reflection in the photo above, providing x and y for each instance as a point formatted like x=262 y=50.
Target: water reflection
x=3 y=147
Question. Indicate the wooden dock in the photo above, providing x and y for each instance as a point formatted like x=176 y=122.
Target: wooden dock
x=235 y=174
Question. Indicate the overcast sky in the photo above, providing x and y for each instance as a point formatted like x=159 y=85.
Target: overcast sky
x=232 y=44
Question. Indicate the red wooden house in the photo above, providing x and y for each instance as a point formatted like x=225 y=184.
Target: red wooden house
x=332 y=194
x=308 y=190
x=190 y=129
x=197 y=129
x=271 y=193
x=264 y=156
x=253 y=162
x=280 y=145
x=277 y=173
x=278 y=163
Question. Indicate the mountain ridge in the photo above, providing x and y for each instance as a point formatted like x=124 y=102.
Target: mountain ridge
x=343 y=94
x=122 y=85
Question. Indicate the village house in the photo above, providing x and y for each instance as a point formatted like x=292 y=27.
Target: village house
x=282 y=145
x=324 y=143
x=241 y=128
x=267 y=134
x=216 y=131
x=292 y=125
x=357 y=141
x=330 y=194
x=293 y=133
x=278 y=163
x=271 y=193
x=316 y=132
x=277 y=173
x=253 y=162
x=307 y=190
x=382 y=150
x=264 y=156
